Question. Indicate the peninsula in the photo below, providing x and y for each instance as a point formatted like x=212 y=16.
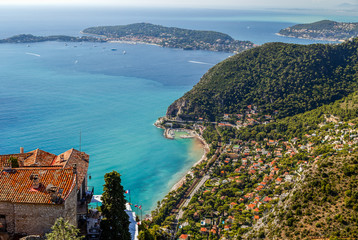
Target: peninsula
x=29 y=38
x=322 y=30
x=170 y=37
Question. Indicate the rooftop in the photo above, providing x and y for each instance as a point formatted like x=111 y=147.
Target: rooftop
x=40 y=158
x=42 y=185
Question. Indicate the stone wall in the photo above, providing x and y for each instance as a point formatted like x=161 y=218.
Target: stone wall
x=70 y=213
x=38 y=218
x=7 y=209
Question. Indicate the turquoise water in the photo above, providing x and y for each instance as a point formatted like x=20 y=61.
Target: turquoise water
x=49 y=92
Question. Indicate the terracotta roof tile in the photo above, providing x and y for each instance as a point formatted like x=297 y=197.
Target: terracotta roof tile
x=40 y=158
x=16 y=185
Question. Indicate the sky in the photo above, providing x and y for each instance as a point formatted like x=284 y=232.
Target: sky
x=222 y=4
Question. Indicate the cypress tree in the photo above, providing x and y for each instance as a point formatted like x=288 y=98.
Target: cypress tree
x=115 y=224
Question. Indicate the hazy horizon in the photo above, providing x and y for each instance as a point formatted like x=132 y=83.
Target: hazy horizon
x=344 y=5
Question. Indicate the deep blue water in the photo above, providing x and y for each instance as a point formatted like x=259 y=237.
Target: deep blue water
x=49 y=92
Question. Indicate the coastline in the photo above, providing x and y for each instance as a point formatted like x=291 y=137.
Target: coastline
x=203 y=158
x=316 y=39
x=119 y=41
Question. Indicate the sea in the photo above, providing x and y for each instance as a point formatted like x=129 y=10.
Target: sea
x=56 y=96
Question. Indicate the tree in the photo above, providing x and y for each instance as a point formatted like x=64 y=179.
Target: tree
x=14 y=162
x=63 y=230
x=115 y=224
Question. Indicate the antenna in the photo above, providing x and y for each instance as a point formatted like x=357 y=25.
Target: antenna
x=80 y=139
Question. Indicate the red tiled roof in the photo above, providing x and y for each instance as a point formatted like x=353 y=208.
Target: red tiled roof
x=183 y=236
x=40 y=158
x=251 y=206
x=16 y=185
x=5 y=158
x=72 y=157
x=267 y=199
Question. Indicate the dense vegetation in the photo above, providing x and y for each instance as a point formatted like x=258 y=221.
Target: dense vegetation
x=289 y=78
x=283 y=158
x=171 y=37
x=28 y=38
x=320 y=200
x=301 y=124
x=147 y=29
x=325 y=201
x=325 y=29
x=325 y=204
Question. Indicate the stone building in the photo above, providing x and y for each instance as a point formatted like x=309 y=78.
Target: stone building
x=41 y=189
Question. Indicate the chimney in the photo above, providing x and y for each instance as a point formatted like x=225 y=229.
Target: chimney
x=21 y=161
x=35 y=180
x=21 y=150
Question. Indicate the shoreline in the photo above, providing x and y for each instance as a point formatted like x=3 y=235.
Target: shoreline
x=195 y=135
x=203 y=158
x=315 y=39
x=120 y=41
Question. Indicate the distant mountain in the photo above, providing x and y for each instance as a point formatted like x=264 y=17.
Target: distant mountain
x=289 y=78
x=171 y=37
x=322 y=30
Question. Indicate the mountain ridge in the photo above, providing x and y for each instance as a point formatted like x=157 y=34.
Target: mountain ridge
x=288 y=77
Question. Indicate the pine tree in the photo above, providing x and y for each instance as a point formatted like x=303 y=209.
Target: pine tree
x=115 y=224
x=62 y=230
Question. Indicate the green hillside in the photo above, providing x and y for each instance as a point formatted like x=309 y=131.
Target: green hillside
x=289 y=78
x=147 y=29
x=323 y=199
x=324 y=30
x=304 y=184
x=171 y=37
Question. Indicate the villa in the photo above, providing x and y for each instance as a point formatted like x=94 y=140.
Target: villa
x=38 y=187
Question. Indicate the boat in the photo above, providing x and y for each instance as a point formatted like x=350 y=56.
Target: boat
x=114 y=49
x=124 y=52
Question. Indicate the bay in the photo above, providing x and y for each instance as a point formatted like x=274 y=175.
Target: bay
x=52 y=91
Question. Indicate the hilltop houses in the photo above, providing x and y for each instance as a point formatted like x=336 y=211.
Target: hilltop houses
x=38 y=187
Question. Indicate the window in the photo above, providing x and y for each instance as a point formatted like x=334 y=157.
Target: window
x=2 y=223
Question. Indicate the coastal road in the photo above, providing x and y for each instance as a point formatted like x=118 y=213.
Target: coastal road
x=186 y=202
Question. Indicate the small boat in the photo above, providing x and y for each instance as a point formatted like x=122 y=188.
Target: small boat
x=124 y=52
x=114 y=49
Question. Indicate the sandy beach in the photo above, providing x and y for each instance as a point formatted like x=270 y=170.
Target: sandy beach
x=203 y=158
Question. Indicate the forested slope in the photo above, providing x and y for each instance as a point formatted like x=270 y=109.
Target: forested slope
x=289 y=78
